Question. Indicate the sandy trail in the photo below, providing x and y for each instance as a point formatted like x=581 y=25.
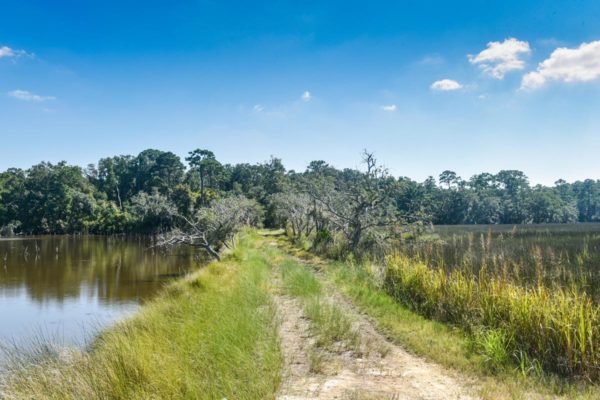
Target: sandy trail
x=379 y=370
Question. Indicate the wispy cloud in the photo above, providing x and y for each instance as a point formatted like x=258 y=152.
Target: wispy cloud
x=389 y=108
x=446 y=85
x=28 y=96
x=306 y=96
x=258 y=108
x=581 y=64
x=7 y=52
x=432 y=59
x=500 y=58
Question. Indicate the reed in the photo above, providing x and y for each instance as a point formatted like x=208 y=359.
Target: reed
x=527 y=296
x=212 y=335
x=556 y=327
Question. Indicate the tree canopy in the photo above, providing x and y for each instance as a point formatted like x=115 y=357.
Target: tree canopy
x=145 y=193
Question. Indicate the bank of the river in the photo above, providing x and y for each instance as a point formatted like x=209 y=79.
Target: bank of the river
x=271 y=321
x=65 y=288
x=212 y=335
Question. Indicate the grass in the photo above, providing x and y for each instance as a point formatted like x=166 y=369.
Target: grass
x=526 y=295
x=210 y=336
x=482 y=354
x=550 y=255
x=316 y=359
x=213 y=335
x=330 y=325
x=298 y=281
x=557 y=328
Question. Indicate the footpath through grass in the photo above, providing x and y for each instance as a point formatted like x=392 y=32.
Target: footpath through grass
x=214 y=335
x=442 y=343
x=329 y=323
x=210 y=336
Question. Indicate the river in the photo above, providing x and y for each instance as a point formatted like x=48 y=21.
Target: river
x=64 y=288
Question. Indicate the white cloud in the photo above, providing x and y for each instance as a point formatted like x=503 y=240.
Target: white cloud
x=28 y=96
x=446 y=85
x=433 y=59
x=306 y=96
x=7 y=52
x=501 y=57
x=567 y=65
x=258 y=108
x=389 y=108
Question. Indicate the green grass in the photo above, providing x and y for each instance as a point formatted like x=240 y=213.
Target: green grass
x=557 y=328
x=298 y=281
x=448 y=345
x=210 y=336
x=213 y=335
x=480 y=354
x=330 y=325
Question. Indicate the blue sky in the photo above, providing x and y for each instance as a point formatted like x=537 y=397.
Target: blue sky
x=470 y=86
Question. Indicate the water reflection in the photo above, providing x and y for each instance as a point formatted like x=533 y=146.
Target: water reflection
x=64 y=285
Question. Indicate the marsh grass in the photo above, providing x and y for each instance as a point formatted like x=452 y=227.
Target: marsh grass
x=558 y=328
x=210 y=336
x=530 y=255
x=526 y=296
x=484 y=353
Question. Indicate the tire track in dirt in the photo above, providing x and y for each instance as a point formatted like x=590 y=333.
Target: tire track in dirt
x=380 y=369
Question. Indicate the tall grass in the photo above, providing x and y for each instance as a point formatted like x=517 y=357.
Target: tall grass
x=529 y=255
x=557 y=328
x=481 y=354
x=529 y=297
x=211 y=336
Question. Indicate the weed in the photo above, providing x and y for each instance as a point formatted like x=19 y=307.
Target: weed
x=211 y=336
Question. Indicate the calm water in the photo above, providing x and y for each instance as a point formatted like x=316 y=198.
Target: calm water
x=65 y=288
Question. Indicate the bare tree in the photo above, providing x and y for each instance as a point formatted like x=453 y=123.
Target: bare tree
x=215 y=227
x=296 y=210
x=357 y=203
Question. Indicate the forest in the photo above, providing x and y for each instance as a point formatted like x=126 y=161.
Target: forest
x=145 y=193
x=153 y=191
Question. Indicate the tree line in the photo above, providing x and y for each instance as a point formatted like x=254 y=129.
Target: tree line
x=156 y=191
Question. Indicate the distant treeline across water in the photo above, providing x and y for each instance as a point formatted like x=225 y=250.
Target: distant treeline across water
x=151 y=191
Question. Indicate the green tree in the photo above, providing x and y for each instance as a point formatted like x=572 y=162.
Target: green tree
x=51 y=198
x=547 y=206
x=153 y=213
x=166 y=173
x=205 y=173
x=12 y=184
x=515 y=190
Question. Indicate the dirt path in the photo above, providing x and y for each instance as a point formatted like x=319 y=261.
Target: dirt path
x=379 y=369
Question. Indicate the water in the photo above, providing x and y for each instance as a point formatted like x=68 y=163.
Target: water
x=65 y=288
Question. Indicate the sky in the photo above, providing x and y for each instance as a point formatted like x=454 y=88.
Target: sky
x=469 y=86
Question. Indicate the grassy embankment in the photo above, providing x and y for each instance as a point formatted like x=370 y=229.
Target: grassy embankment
x=477 y=328
x=212 y=335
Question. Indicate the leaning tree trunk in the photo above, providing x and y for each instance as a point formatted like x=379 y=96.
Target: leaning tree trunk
x=212 y=252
